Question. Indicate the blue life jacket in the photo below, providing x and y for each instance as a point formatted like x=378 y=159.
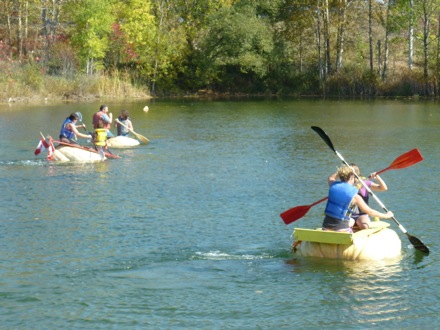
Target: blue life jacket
x=340 y=195
x=67 y=133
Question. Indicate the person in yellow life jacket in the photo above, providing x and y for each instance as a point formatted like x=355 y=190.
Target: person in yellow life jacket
x=69 y=130
x=342 y=198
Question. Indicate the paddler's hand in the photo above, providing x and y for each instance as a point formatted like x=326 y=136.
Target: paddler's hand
x=389 y=215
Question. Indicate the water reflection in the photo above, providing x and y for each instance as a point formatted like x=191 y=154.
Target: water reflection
x=361 y=290
x=350 y=268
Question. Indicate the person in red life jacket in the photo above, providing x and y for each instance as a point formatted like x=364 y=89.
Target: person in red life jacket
x=69 y=130
x=103 y=119
x=362 y=219
x=342 y=198
x=126 y=126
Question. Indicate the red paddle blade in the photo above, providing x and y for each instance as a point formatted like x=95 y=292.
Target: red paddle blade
x=407 y=159
x=295 y=213
x=298 y=212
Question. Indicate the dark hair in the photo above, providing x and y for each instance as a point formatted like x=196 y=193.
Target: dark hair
x=102 y=107
x=124 y=114
x=73 y=116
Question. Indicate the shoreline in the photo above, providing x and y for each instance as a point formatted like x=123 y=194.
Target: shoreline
x=199 y=95
x=40 y=99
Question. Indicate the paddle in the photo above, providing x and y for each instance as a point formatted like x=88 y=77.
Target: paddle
x=418 y=244
x=298 y=212
x=80 y=119
x=80 y=116
x=405 y=160
x=139 y=136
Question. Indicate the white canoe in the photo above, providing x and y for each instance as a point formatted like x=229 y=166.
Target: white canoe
x=66 y=152
x=122 y=142
x=376 y=243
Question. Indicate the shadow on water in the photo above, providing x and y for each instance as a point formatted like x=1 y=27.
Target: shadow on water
x=419 y=258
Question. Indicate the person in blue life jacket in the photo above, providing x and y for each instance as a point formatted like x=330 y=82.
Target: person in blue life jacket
x=342 y=198
x=126 y=126
x=362 y=220
x=69 y=130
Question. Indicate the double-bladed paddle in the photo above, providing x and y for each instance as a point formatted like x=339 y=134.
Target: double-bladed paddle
x=418 y=244
x=405 y=160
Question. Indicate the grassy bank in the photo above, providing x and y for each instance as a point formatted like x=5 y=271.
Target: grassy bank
x=21 y=83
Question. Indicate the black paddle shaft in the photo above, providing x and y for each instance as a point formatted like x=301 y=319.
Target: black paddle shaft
x=418 y=244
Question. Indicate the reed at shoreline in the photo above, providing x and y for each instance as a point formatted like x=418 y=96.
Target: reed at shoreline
x=27 y=83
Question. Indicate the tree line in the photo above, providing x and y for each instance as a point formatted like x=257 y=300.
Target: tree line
x=300 y=47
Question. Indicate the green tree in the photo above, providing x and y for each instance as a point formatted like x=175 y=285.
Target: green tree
x=193 y=20
x=92 y=24
x=156 y=36
x=139 y=27
x=237 y=39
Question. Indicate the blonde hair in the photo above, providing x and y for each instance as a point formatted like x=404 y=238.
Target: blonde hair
x=356 y=169
x=344 y=173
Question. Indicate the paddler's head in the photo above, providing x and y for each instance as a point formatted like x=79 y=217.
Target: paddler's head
x=356 y=169
x=345 y=174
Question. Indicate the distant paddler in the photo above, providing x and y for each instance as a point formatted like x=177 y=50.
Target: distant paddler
x=141 y=138
x=69 y=130
x=123 y=123
x=103 y=120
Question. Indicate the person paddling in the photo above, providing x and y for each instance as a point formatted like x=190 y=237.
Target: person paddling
x=342 y=198
x=69 y=130
x=123 y=123
x=362 y=219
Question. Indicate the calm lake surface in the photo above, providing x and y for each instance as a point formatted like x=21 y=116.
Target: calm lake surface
x=185 y=233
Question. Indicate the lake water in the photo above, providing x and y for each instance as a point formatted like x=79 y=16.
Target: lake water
x=185 y=233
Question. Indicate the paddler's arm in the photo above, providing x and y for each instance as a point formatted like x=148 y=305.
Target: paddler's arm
x=368 y=210
x=380 y=185
x=332 y=178
x=77 y=133
x=130 y=124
